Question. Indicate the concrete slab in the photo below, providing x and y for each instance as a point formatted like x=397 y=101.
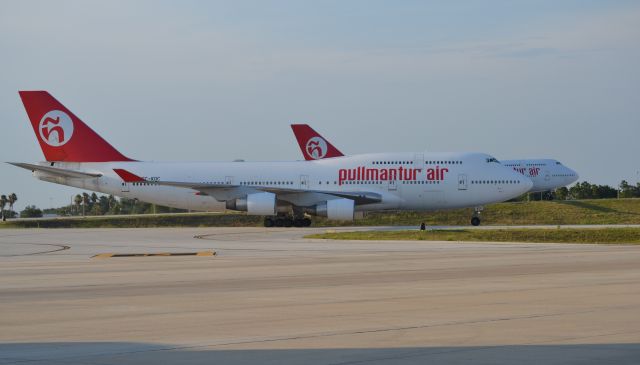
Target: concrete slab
x=271 y=296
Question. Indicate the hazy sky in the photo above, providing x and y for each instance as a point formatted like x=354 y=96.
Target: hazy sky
x=191 y=80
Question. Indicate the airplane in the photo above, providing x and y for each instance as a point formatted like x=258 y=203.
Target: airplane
x=546 y=174
x=282 y=191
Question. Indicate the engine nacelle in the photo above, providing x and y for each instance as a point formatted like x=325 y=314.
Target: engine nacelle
x=336 y=209
x=255 y=204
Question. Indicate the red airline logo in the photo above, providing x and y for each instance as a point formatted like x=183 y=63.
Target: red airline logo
x=312 y=145
x=56 y=128
x=316 y=147
x=532 y=171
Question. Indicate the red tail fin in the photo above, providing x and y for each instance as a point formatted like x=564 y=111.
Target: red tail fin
x=62 y=135
x=312 y=144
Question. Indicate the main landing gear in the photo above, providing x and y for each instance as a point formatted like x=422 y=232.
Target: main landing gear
x=286 y=221
x=475 y=219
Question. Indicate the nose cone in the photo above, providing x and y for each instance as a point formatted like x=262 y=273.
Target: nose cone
x=573 y=176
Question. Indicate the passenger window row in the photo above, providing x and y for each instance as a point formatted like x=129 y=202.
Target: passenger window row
x=482 y=182
x=392 y=162
x=262 y=183
x=379 y=182
x=443 y=162
x=140 y=184
x=420 y=182
x=431 y=162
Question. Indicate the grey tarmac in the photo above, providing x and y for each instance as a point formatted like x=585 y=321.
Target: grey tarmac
x=272 y=297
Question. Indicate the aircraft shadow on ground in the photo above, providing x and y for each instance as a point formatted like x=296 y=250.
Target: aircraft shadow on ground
x=75 y=353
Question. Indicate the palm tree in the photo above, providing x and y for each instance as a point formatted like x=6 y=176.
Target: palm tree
x=3 y=203
x=77 y=200
x=112 y=201
x=12 y=199
x=85 y=202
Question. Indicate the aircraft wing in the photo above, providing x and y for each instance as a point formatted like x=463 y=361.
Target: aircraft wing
x=222 y=192
x=56 y=171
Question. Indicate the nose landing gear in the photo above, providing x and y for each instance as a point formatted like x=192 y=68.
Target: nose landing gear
x=475 y=219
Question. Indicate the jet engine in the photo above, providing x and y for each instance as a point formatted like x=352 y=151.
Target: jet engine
x=255 y=204
x=336 y=209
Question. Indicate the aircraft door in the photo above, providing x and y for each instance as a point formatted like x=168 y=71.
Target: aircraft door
x=393 y=185
x=228 y=180
x=304 y=181
x=124 y=187
x=418 y=160
x=463 y=182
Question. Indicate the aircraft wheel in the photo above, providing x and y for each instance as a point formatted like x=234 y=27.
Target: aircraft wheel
x=268 y=222
x=306 y=222
x=279 y=222
x=288 y=222
x=475 y=221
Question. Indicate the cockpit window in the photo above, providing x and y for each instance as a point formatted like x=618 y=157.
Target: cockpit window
x=558 y=163
x=492 y=159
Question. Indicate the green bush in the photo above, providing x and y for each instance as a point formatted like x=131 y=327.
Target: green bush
x=30 y=211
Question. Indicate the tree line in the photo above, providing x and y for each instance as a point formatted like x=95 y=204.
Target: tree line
x=586 y=190
x=95 y=205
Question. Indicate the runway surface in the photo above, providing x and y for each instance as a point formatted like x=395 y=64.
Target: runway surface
x=272 y=297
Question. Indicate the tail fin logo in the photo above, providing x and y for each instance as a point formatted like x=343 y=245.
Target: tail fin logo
x=316 y=147
x=56 y=128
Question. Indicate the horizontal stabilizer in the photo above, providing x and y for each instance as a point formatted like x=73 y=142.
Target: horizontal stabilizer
x=56 y=171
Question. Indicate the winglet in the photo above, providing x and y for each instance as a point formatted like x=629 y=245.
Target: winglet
x=128 y=176
x=312 y=144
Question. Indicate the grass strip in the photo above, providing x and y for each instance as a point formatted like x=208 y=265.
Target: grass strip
x=597 y=211
x=563 y=235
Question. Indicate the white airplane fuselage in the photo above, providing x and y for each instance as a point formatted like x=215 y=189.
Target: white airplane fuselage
x=405 y=181
x=545 y=174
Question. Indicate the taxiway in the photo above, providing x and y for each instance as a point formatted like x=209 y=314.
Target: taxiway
x=273 y=297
